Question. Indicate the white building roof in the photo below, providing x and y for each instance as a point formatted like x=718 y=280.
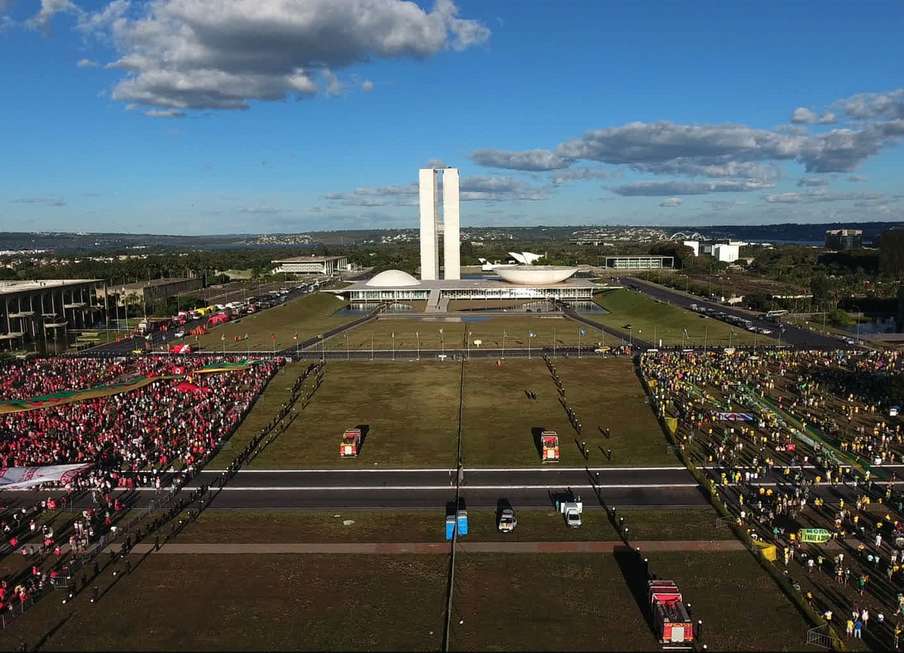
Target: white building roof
x=14 y=287
x=392 y=279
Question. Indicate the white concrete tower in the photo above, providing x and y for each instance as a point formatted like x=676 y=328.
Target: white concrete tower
x=429 y=225
x=451 y=237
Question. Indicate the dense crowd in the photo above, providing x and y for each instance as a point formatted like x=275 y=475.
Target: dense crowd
x=43 y=376
x=792 y=440
x=151 y=428
x=133 y=438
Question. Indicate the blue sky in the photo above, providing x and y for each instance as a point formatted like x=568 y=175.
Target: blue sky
x=202 y=116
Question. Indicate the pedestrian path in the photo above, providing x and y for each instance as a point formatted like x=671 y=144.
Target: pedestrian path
x=383 y=548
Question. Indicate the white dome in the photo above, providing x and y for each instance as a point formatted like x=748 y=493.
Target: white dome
x=393 y=278
x=534 y=275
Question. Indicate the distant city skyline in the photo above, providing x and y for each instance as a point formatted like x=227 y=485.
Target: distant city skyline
x=257 y=116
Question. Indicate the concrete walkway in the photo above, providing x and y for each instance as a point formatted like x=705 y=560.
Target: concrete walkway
x=394 y=548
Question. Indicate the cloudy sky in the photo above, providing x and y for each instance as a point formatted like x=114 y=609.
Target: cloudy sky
x=225 y=116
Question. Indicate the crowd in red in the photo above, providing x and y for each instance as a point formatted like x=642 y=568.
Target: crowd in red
x=44 y=376
x=152 y=428
x=131 y=438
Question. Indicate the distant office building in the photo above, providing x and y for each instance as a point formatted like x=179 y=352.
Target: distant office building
x=844 y=240
x=311 y=265
x=153 y=292
x=32 y=311
x=641 y=262
x=726 y=252
x=891 y=253
x=431 y=225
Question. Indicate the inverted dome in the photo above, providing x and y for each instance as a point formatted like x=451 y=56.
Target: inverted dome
x=392 y=279
x=534 y=275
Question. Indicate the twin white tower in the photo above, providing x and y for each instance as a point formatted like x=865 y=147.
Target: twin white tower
x=431 y=224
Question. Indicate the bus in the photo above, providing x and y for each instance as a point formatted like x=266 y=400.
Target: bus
x=771 y=315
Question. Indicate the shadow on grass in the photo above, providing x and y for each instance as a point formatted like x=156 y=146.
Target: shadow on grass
x=636 y=575
x=365 y=429
x=50 y=633
x=536 y=432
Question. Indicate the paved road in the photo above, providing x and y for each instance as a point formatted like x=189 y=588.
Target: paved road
x=396 y=548
x=431 y=488
x=791 y=335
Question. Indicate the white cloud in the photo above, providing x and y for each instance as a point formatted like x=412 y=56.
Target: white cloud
x=207 y=54
x=43 y=201
x=812 y=182
x=332 y=84
x=805 y=116
x=671 y=202
x=534 y=160
x=367 y=86
x=164 y=113
x=472 y=189
x=49 y=9
x=747 y=155
x=868 y=106
x=813 y=197
x=665 y=188
x=578 y=174
x=87 y=63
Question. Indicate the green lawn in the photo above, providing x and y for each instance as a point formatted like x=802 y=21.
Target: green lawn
x=534 y=525
x=251 y=602
x=578 y=602
x=307 y=317
x=489 y=330
x=653 y=321
x=499 y=421
x=411 y=415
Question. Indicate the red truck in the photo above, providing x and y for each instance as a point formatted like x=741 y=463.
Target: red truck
x=350 y=443
x=671 y=620
x=549 y=445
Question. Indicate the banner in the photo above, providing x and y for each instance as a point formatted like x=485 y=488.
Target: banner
x=734 y=417
x=12 y=478
x=188 y=387
x=814 y=535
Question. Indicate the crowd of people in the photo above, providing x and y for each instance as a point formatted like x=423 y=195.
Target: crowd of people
x=796 y=440
x=37 y=377
x=131 y=434
x=156 y=435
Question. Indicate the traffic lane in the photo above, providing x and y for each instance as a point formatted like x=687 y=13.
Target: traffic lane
x=334 y=479
x=791 y=335
x=371 y=498
x=541 y=477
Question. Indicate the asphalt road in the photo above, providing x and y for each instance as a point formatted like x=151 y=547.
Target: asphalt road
x=790 y=335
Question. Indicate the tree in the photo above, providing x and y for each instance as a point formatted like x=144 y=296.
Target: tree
x=891 y=253
x=823 y=289
x=684 y=255
x=899 y=318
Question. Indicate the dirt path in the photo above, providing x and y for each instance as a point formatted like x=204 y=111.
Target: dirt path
x=435 y=547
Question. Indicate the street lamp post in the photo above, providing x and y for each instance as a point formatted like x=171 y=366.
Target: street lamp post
x=468 y=345
x=503 y=344
x=530 y=335
x=393 y=345
x=417 y=335
x=442 y=342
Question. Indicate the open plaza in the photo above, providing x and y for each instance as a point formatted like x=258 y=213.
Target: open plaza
x=523 y=459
